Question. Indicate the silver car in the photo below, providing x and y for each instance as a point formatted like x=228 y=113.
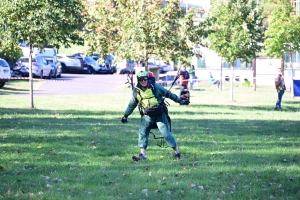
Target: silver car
x=4 y=72
x=41 y=69
x=55 y=64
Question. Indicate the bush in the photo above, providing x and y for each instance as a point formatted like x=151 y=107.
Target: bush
x=11 y=52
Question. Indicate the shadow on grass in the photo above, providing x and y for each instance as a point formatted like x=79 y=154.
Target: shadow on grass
x=87 y=154
x=10 y=90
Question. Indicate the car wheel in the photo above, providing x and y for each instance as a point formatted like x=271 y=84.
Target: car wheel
x=2 y=84
x=59 y=75
x=41 y=75
x=50 y=74
x=90 y=70
x=55 y=74
x=64 y=68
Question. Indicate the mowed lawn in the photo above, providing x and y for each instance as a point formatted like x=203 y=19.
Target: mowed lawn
x=75 y=147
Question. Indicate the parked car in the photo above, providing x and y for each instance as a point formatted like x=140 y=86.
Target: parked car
x=22 y=68
x=25 y=62
x=95 y=56
x=91 y=65
x=71 y=63
x=41 y=69
x=39 y=52
x=125 y=66
x=165 y=67
x=55 y=64
x=4 y=72
x=19 y=71
x=107 y=67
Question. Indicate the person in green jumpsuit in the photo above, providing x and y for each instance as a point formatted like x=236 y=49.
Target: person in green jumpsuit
x=149 y=97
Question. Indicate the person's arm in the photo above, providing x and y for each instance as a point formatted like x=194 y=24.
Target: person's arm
x=278 y=81
x=163 y=92
x=132 y=104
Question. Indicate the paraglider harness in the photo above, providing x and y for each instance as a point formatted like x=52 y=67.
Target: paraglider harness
x=159 y=141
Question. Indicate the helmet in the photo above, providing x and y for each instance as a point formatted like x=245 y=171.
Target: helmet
x=142 y=74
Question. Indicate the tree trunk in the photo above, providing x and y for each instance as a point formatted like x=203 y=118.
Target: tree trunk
x=282 y=65
x=146 y=59
x=221 y=75
x=231 y=83
x=254 y=73
x=30 y=76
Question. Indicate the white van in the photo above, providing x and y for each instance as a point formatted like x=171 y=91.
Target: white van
x=49 y=52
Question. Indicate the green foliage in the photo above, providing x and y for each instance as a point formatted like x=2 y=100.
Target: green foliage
x=10 y=51
x=234 y=29
x=41 y=23
x=284 y=27
x=139 y=29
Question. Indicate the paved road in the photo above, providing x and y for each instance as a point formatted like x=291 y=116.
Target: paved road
x=72 y=84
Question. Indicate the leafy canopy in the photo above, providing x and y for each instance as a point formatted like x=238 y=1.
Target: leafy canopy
x=41 y=23
x=234 y=29
x=139 y=29
x=284 y=27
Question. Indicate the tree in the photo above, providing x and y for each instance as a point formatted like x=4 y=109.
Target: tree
x=234 y=31
x=41 y=23
x=10 y=51
x=139 y=29
x=283 y=33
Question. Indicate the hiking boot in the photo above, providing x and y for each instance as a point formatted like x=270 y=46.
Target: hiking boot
x=138 y=158
x=178 y=156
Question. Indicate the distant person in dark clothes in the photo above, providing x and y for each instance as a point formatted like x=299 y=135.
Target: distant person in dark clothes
x=280 y=87
x=184 y=79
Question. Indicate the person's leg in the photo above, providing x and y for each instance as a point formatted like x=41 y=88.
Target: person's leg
x=280 y=94
x=279 y=98
x=162 y=124
x=144 y=130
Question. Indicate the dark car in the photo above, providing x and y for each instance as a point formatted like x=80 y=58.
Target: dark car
x=126 y=66
x=22 y=68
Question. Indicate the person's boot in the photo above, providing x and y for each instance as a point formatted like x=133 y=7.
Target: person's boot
x=178 y=156
x=138 y=158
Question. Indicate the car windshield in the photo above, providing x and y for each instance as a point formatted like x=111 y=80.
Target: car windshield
x=49 y=59
x=89 y=59
x=3 y=63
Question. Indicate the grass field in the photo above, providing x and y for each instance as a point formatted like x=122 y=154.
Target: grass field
x=72 y=50
x=75 y=147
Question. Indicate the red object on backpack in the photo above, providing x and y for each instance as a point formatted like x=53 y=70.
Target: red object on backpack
x=150 y=74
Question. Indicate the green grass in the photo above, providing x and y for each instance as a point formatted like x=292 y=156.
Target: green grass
x=73 y=49
x=75 y=147
x=18 y=87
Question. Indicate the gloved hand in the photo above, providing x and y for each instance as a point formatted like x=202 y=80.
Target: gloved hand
x=184 y=102
x=124 y=119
